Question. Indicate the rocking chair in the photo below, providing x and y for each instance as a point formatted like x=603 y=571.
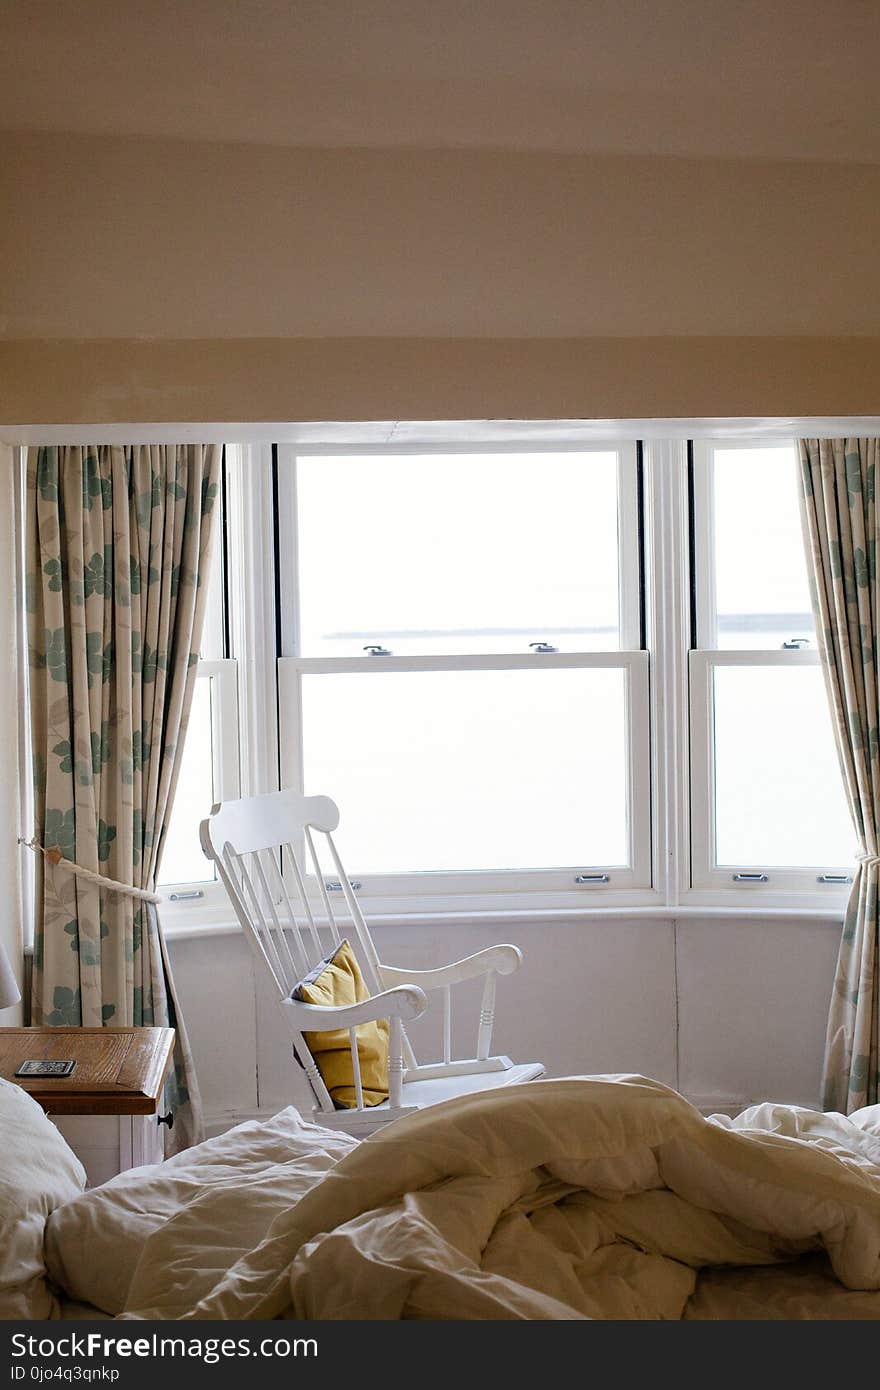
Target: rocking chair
x=254 y=843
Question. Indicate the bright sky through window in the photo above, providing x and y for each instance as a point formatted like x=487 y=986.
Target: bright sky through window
x=761 y=586
x=458 y=552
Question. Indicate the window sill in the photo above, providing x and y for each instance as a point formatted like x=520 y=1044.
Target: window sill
x=528 y=917
x=189 y=931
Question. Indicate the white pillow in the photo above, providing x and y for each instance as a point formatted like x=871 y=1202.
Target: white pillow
x=38 y=1171
x=94 y=1243
x=867 y=1119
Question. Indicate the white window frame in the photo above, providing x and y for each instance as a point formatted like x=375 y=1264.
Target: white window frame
x=771 y=882
x=204 y=901
x=207 y=897
x=512 y=890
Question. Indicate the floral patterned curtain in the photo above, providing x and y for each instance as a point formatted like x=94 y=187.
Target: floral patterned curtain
x=840 y=526
x=117 y=542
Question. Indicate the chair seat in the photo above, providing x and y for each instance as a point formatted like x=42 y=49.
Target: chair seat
x=417 y=1094
x=421 y=1093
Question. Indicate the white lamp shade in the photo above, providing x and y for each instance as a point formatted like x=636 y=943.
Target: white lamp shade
x=9 y=990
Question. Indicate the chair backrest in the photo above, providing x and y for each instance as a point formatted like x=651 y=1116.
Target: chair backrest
x=265 y=848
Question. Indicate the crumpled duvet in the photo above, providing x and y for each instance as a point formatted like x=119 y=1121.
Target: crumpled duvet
x=595 y=1197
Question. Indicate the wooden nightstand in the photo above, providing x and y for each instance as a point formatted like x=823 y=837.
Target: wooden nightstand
x=107 y=1108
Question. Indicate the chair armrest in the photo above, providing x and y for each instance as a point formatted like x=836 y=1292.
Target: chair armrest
x=504 y=960
x=405 y=1002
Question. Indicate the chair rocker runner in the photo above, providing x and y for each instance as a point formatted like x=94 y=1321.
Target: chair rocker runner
x=254 y=844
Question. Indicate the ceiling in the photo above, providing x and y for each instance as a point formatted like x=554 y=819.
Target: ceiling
x=728 y=78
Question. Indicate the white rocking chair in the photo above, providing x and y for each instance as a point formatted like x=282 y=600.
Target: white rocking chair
x=252 y=842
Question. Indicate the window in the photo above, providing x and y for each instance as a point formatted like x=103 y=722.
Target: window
x=534 y=676
x=767 y=801
x=462 y=668
x=208 y=774
x=209 y=770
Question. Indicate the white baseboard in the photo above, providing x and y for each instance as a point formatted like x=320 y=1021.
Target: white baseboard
x=219 y=1121
x=719 y=1105
x=733 y=1105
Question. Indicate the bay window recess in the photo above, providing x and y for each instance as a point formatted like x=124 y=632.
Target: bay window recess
x=458 y=657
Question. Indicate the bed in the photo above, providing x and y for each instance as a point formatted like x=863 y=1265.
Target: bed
x=591 y=1197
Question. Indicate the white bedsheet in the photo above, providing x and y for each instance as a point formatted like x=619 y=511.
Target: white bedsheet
x=38 y=1172
x=594 y=1197
x=597 y=1197
x=94 y=1242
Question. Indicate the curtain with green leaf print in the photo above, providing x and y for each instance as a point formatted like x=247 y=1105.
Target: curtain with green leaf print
x=840 y=526
x=117 y=541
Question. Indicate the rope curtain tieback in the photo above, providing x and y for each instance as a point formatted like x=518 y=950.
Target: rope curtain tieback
x=868 y=858
x=56 y=858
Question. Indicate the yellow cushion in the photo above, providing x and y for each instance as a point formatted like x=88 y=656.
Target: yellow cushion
x=336 y=981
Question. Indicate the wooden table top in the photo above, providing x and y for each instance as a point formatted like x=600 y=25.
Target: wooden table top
x=119 y=1071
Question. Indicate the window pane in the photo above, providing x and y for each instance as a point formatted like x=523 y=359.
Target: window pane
x=182 y=857
x=458 y=552
x=471 y=770
x=779 y=796
x=761 y=587
x=212 y=632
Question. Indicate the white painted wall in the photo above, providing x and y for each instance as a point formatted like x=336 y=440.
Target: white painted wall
x=281 y=243
x=753 y=1001
x=352 y=284
x=729 y=1011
